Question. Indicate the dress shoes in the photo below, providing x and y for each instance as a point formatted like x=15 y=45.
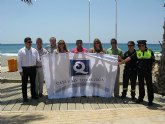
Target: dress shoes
x=25 y=100
x=139 y=101
x=34 y=97
x=40 y=95
x=150 y=103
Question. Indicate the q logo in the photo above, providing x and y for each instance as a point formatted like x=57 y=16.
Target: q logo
x=79 y=67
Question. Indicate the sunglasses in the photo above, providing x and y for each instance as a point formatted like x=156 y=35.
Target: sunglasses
x=113 y=43
x=130 y=45
x=29 y=41
x=140 y=45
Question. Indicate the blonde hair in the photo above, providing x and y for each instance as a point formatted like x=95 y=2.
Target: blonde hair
x=100 y=45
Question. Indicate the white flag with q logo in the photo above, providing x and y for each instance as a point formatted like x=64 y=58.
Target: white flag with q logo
x=83 y=74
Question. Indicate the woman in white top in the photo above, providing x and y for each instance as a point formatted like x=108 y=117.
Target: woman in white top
x=62 y=48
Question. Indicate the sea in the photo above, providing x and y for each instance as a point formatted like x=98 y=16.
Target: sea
x=12 y=49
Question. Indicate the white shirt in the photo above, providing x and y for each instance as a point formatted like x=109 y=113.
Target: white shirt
x=27 y=58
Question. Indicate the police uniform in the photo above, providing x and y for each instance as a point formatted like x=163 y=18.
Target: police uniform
x=144 y=69
x=130 y=73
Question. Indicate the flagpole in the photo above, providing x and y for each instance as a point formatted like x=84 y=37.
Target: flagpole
x=89 y=22
x=116 y=21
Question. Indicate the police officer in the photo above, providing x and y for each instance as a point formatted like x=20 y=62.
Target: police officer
x=130 y=71
x=145 y=58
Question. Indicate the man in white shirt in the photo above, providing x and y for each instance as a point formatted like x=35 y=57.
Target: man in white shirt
x=27 y=60
x=40 y=75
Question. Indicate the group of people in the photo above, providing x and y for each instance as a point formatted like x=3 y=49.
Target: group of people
x=137 y=63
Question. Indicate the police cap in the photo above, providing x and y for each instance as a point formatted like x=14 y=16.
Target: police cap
x=142 y=42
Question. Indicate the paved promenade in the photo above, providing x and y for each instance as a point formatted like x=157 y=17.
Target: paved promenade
x=92 y=110
x=107 y=116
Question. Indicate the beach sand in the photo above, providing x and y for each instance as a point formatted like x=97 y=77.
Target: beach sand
x=15 y=75
x=4 y=66
x=3 y=60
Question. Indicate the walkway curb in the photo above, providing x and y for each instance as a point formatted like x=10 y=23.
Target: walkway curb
x=10 y=80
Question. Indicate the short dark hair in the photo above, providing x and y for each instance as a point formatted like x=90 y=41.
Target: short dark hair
x=27 y=39
x=79 y=41
x=38 y=39
x=113 y=40
x=131 y=42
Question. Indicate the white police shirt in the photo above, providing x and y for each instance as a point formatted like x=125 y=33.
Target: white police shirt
x=27 y=58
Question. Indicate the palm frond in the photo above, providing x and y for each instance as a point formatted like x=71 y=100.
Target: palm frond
x=27 y=1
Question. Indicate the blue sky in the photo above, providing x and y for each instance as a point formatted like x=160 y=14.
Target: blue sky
x=68 y=20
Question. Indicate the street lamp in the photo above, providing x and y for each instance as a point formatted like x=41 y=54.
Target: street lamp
x=89 y=22
x=116 y=21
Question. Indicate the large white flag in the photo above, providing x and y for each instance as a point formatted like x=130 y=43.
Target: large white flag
x=68 y=75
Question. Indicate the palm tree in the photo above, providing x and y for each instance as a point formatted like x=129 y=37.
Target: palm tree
x=159 y=85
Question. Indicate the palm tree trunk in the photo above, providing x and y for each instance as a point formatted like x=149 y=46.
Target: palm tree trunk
x=161 y=76
x=159 y=84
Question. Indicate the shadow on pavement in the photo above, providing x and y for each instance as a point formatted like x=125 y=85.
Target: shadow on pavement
x=20 y=118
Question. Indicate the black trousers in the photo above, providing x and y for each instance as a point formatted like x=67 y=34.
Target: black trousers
x=147 y=76
x=129 y=74
x=31 y=73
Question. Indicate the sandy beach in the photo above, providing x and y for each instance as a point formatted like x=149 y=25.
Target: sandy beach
x=4 y=72
x=15 y=75
x=3 y=60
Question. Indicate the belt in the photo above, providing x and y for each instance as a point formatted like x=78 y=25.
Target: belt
x=38 y=66
x=130 y=69
x=29 y=67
